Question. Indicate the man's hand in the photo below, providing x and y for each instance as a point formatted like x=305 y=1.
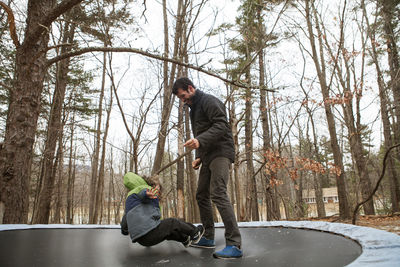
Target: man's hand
x=196 y=163
x=192 y=143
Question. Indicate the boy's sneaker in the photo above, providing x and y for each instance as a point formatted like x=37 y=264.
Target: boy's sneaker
x=204 y=243
x=229 y=252
x=199 y=234
x=187 y=242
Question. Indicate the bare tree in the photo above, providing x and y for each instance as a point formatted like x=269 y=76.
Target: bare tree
x=71 y=175
x=317 y=176
x=319 y=63
x=394 y=185
x=167 y=96
x=24 y=107
x=180 y=166
x=96 y=152
x=59 y=166
x=54 y=129
x=352 y=119
x=191 y=173
x=387 y=12
x=100 y=182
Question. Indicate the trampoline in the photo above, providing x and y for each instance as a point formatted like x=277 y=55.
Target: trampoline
x=264 y=244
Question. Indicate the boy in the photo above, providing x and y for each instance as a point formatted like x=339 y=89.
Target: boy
x=142 y=216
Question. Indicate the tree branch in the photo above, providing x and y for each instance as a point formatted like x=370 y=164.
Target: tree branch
x=47 y=20
x=173 y=162
x=6 y=86
x=353 y=221
x=122 y=112
x=150 y=55
x=58 y=46
x=11 y=23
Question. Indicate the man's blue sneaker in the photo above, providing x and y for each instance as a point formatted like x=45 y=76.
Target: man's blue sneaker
x=204 y=243
x=229 y=252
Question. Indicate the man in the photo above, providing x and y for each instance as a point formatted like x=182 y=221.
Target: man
x=215 y=153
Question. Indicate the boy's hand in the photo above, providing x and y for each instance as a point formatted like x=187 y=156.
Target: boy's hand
x=152 y=193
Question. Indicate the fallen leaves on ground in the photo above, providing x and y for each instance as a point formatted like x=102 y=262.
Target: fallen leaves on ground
x=390 y=223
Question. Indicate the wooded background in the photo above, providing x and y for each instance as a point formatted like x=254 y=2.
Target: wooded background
x=311 y=88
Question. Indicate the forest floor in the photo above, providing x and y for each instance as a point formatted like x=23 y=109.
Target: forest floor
x=390 y=223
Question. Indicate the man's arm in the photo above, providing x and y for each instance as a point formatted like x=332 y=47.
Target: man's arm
x=215 y=112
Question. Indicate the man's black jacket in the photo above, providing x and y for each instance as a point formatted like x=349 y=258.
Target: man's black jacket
x=210 y=126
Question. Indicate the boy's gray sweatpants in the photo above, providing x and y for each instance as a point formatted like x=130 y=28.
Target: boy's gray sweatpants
x=212 y=186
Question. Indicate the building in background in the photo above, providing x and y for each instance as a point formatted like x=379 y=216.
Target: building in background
x=330 y=197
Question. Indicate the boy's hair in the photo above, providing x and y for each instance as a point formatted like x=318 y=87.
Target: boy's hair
x=152 y=180
x=183 y=83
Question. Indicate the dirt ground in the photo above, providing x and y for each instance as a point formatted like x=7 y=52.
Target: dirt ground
x=390 y=223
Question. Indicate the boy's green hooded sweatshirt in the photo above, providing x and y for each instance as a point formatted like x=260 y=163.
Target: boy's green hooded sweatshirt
x=145 y=213
x=135 y=183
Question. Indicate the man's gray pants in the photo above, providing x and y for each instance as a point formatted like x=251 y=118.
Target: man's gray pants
x=212 y=186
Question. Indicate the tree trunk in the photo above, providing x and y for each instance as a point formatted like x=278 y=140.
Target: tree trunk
x=191 y=172
x=234 y=126
x=272 y=192
x=54 y=129
x=23 y=110
x=60 y=166
x=180 y=167
x=354 y=128
x=131 y=154
x=71 y=175
x=252 y=189
x=167 y=98
x=111 y=191
x=357 y=150
x=388 y=7
x=317 y=177
x=269 y=194
x=298 y=182
x=98 y=215
x=394 y=185
x=71 y=191
x=315 y=155
x=344 y=209
x=95 y=160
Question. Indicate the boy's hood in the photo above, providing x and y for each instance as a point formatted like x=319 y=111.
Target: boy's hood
x=134 y=183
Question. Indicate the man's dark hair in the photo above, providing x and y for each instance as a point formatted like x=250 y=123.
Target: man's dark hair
x=183 y=83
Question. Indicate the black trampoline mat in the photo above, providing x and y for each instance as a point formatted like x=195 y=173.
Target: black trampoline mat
x=262 y=246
